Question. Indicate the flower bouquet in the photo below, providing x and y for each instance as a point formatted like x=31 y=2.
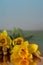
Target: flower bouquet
x=18 y=51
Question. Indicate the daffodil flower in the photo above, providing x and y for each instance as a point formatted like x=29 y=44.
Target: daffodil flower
x=23 y=52
x=18 y=41
x=3 y=40
x=32 y=48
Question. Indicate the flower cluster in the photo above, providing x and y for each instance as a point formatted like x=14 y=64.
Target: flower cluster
x=22 y=52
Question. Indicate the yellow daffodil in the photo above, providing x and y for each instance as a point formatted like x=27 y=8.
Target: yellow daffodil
x=32 y=48
x=3 y=40
x=18 y=41
x=9 y=41
x=23 y=52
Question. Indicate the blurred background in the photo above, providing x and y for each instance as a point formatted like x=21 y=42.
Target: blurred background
x=26 y=16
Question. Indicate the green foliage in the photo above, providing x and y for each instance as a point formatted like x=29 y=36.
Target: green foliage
x=17 y=32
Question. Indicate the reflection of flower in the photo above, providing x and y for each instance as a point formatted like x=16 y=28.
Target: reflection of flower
x=3 y=40
x=18 y=41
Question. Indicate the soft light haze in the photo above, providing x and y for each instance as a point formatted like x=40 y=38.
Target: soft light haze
x=24 y=14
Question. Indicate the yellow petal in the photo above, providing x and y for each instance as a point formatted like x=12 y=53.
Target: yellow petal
x=25 y=43
x=9 y=41
x=23 y=52
x=38 y=52
x=4 y=33
x=32 y=48
x=30 y=56
x=15 y=49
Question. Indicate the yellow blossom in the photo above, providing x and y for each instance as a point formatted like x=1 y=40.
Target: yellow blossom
x=18 y=41
x=32 y=48
x=23 y=52
x=3 y=40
